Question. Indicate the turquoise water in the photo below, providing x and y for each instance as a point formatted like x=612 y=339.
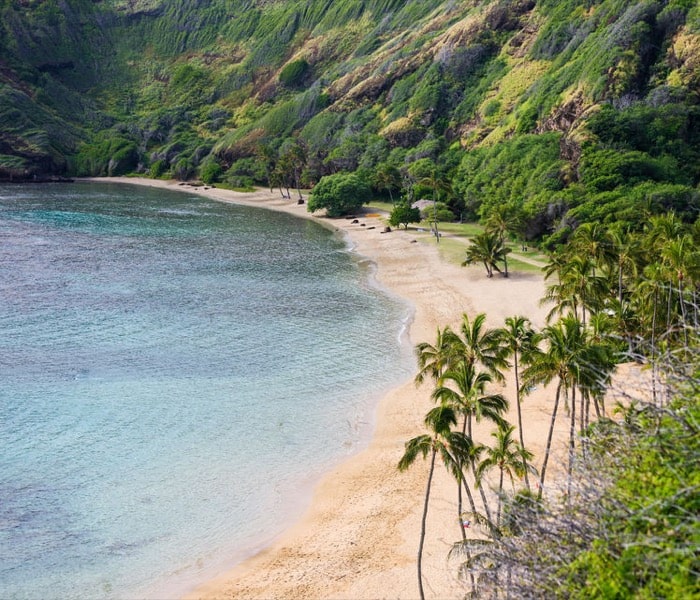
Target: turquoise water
x=176 y=374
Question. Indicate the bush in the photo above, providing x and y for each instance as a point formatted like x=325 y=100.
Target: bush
x=340 y=194
x=403 y=214
x=293 y=74
x=210 y=170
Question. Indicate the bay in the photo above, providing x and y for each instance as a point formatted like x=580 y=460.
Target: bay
x=176 y=374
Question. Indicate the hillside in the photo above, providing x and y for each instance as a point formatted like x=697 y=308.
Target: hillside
x=565 y=111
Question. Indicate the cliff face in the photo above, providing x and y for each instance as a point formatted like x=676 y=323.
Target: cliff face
x=189 y=87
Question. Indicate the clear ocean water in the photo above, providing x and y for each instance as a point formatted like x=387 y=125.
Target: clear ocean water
x=175 y=374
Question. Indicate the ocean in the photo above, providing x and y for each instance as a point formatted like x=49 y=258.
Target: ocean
x=176 y=374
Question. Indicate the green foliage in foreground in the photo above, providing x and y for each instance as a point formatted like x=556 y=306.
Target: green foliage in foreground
x=627 y=527
x=648 y=533
x=620 y=520
x=340 y=194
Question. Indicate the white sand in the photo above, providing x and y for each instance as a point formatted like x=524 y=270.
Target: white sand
x=359 y=537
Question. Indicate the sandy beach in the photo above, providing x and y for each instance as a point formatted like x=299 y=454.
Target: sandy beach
x=359 y=537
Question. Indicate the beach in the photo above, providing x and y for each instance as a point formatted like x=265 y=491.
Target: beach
x=359 y=537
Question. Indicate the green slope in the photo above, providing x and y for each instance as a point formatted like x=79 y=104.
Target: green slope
x=538 y=105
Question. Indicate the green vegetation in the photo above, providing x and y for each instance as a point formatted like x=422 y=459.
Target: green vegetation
x=563 y=112
x=573 y=125
x=403 y=214
x=340 y=194
x=623 y=522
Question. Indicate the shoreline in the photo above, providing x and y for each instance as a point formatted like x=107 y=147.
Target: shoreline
x=358 y=537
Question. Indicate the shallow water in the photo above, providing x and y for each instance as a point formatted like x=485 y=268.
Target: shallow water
x=176 y=373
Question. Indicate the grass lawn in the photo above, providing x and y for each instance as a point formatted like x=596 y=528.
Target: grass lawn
x=455 y=237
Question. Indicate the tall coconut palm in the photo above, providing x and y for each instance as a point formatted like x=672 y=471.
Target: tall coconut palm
x=593 y=240
x=646 y=296
x=577 y=290
x=626 y=248
x=434 y=359
x=520 y=340
x=500 y=221
x=481 y=345
x=438 y=185
x=509 y=457
x=441 y=440
x=463 y=388
x=576 y=364
x=680 y=258
x=488 y=249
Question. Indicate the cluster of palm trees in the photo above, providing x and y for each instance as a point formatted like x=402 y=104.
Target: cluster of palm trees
x=615 y=296
x=638 y=287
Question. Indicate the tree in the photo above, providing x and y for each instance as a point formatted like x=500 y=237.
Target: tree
x=478 y=344
x=578 y=289
x=487 y=249
x=292 y=158
x=577 y=364
x=340 y=194
x=509 y=457
x=387 y=177
x=463 y=388
x=501 y=220
x=437 y=185
x=521 y=341
x=434 y=359
x=451 y=446
x=594 y=241
x=403 y=214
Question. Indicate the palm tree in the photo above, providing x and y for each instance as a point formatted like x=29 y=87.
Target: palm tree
x=626 y=248
x=501 y=220
x=593 y=240
x=434 y=359
x=483 y=346
x=680 y=258
x=521 y=341
x=576 y=364
x=487 y=249
x=463 y=388
x=292 y=160
x=437 y=185
x=577 y=289
x=509 y=457
x=266 y=155
x=646 y=296
x=451 y=446
x=387 y=177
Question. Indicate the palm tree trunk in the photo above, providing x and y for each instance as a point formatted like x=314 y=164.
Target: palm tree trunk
x=500 y=499
x=548 y=447
x=460 y=511
x=619 y=284
x=470 y=497
x=520 y=414
x=572 y=437
x=484 y=501
x=422 y=526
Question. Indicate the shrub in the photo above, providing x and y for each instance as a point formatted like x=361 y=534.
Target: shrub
x=294 y=73
x=403 y=214
x=340 y=194
x=210 y=171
